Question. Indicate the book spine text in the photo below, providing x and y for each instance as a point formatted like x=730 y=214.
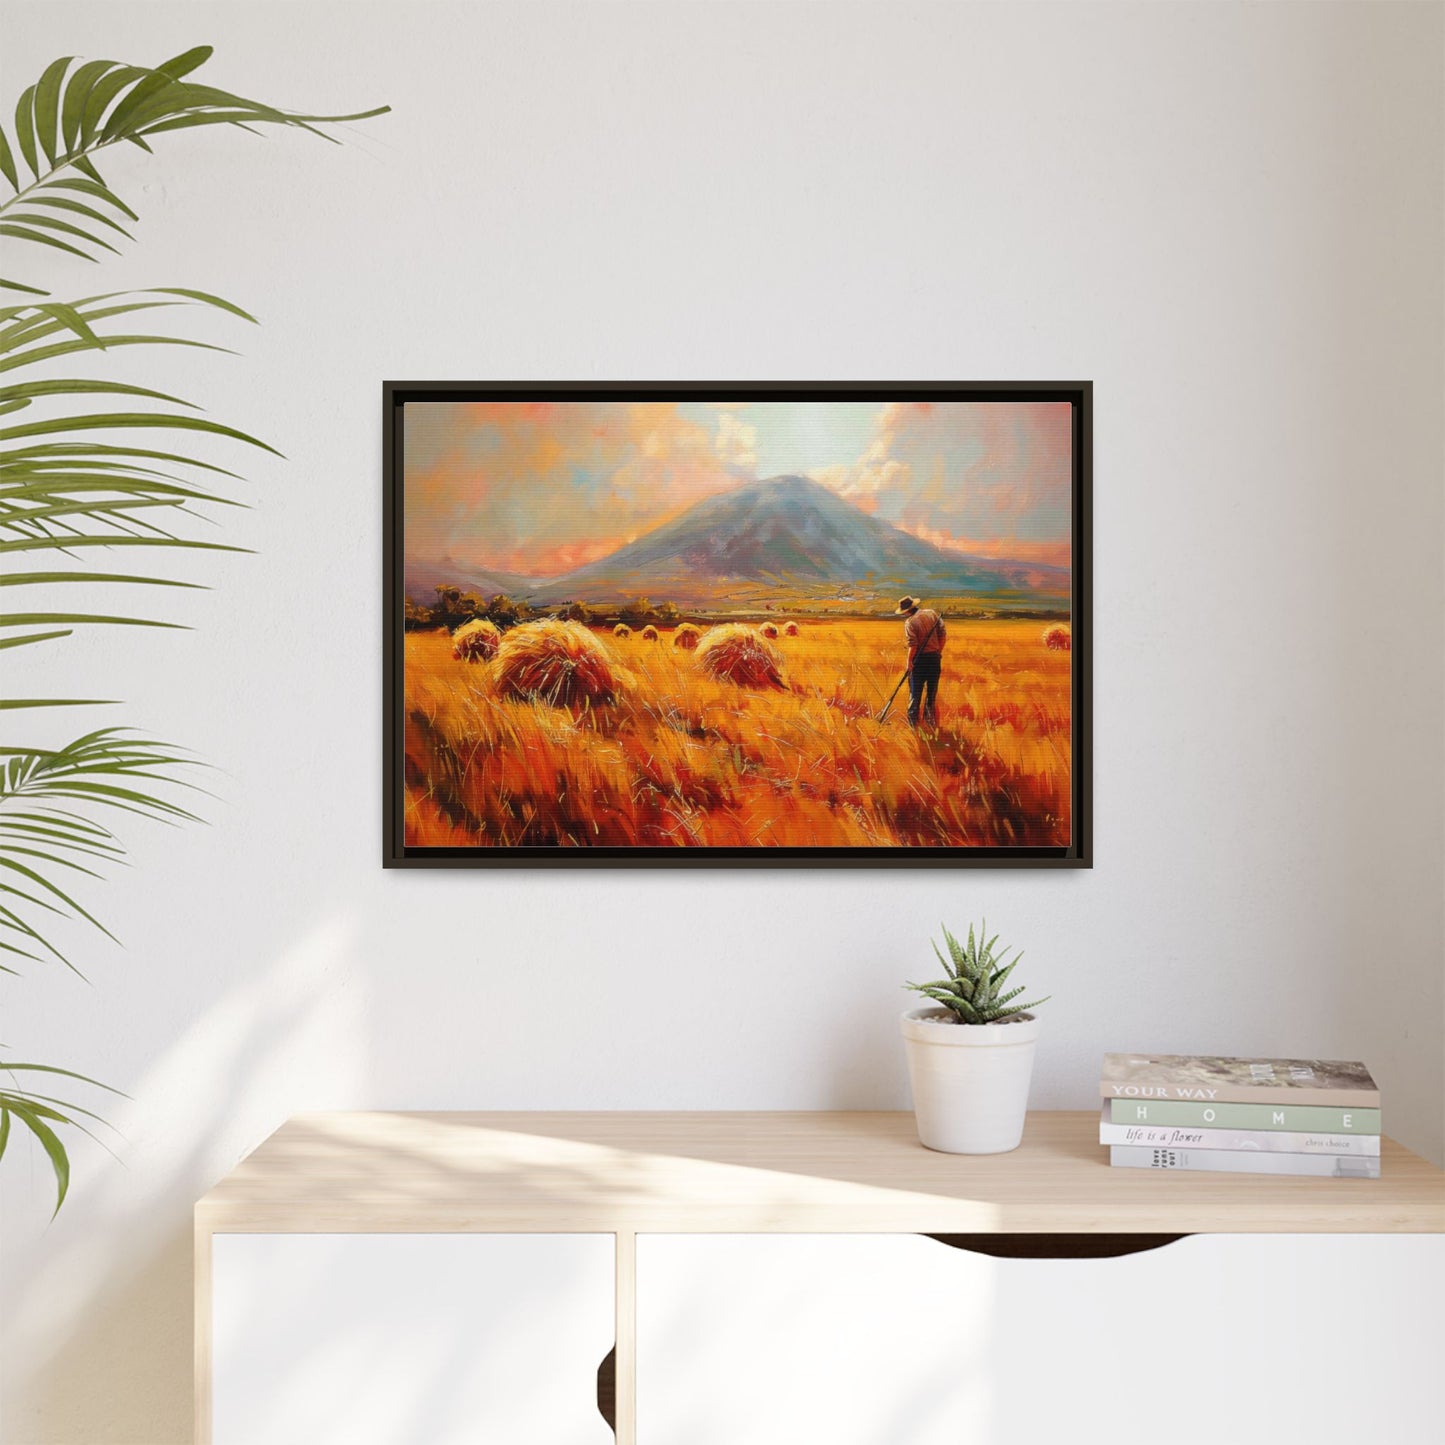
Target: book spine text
x=1298 y=1118
x=1232 y=1161
x=1268 y=1141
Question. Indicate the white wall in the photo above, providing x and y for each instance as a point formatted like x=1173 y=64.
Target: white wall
x=1229 y=217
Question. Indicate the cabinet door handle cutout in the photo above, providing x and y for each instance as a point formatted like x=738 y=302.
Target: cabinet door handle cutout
x=607 y=1389
x=1056 y=1246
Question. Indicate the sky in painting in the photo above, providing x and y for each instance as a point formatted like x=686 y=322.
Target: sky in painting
x=538 y=488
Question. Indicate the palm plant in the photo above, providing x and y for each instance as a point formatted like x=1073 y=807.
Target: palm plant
x=74 y=486
x=973 y=989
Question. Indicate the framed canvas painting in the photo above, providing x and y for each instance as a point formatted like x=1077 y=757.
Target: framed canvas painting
x=737 y=623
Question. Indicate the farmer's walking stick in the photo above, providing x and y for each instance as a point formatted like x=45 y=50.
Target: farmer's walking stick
x=883 y=716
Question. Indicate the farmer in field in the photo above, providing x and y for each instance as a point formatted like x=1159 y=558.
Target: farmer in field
x=925 y=634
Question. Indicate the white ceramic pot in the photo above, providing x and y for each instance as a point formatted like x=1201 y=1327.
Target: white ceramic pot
x=970 y=1081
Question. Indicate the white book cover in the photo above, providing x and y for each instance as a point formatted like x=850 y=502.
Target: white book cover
x=1234 y=1161
x=1263 y=1141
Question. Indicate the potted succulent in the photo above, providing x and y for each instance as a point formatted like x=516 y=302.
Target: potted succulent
x=970 y=1058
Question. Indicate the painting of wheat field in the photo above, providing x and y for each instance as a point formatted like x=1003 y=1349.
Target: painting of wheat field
x=740 y=626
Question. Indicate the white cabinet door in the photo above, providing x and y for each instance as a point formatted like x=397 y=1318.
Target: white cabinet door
x=900 y=1340
x=398 y=1339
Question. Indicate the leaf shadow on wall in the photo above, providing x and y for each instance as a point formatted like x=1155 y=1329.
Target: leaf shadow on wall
x=100 y=1339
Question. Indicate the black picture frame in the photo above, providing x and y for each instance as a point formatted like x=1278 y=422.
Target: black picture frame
x=1079 y=852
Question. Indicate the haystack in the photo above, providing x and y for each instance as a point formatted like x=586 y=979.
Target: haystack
x=649 y=633
x=791 y=630
x=475 y=641
x=559 y=663
x=1059 y=638
x=686 y=636
x=769 y=630
x=622 y=630
x=737 y=654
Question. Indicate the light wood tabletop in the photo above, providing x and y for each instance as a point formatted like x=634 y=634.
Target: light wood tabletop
x=747 y=1172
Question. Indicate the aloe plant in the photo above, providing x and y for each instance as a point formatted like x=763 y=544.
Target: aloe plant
x=74 y=487
x=974 y=987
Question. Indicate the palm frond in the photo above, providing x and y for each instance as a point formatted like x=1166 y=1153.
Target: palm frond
x=73 y=482
x=61 y=489
x=41 y=832
x=40 y=1113
x=75 y=111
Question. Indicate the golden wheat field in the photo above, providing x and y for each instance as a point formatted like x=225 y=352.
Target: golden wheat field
x=679 y=759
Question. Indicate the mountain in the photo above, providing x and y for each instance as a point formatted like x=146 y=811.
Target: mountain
x=423 y=579
x=791 y=531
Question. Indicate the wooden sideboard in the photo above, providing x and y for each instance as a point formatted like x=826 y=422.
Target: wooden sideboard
x=630 y=1183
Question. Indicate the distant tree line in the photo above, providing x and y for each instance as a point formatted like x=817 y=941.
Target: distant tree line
x=641 y=610
x=455 y=606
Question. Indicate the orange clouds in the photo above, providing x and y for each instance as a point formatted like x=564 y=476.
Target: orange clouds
x=538 y=488
x=1000 y=549
x=992 y=479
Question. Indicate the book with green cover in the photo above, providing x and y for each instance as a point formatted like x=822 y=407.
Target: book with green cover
x=1307 y=1118
x=1223 y=1136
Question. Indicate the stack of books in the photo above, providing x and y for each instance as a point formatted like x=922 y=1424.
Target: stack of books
x=1241 y=1116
